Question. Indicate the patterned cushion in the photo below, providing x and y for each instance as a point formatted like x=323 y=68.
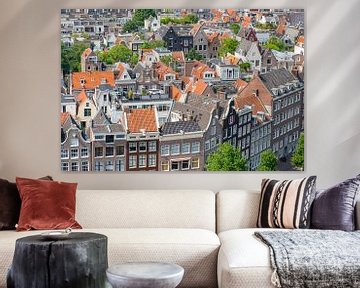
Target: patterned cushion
x=286 y=204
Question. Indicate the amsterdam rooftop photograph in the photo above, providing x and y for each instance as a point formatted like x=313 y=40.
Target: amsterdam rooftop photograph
x=182 y=90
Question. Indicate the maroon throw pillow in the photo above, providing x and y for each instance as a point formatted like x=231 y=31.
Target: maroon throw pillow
x=10 y=204
x=46 y=204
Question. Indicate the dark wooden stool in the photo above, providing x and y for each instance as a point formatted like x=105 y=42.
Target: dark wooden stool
x=78 y=261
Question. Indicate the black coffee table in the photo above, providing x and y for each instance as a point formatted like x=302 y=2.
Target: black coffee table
x=78 y=261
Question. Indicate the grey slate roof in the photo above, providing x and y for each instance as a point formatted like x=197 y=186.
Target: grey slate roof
x=296 y=19
x=180 y=127
x=275 y=78
x=244 y=45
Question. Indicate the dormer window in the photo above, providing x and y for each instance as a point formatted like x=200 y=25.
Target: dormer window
x=82 y=81
x=103 y=81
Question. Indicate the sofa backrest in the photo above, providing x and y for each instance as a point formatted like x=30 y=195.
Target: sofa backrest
x=236 y=209
x=239 y=209
x=146 y=209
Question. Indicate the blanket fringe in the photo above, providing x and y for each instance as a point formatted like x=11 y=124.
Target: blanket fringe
x=275 y=280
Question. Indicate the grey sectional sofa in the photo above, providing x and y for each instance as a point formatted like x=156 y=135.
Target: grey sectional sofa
x=210 y=235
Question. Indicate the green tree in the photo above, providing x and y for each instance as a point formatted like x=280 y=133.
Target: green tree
x=244 y=67
x=235 y=28
x=153 y=44
x=71 y=57
x=297 y=159
x=265 y=26
x=226 y=158
x=268 y=161
x=228 y=45
x=137 y=20
x=187 y=19
x=193 y=55
x=118 y=53
x=275 y=43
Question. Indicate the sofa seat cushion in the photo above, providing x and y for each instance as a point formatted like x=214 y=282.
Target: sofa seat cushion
x=244 y=261
x=196 y=250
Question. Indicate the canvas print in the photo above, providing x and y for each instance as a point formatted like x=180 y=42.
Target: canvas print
x=182 y=89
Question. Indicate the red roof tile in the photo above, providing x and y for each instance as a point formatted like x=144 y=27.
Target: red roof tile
x=139 y=120
x=199 y=87
x=92 y=79
x=63 y=117
x=161 y=70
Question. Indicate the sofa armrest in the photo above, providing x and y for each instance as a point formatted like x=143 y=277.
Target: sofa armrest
x=357 y=215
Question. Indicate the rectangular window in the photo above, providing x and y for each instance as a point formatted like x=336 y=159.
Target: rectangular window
x=142 y=147
x=120 y=165
x=120 y=150
x=132 y=161
x=74 y=142
x=64 y=166
x=207 y=145
x=165 y=165
x=99 y=137
x=174 y=166
x=185 y=148
x=132 y=147
x=87 y=112
x=64 y=153
x=165 y=150
x=142 y=161
x=109 y=151
x=99 y=166
x=99 y=151
x=109 y=138
x=152 y=146
x=109 y=166
x=74 y=153
x=152 y=160
x=195 y=163
x=85 y=166
x=175 y=149
x=84 y=152
x=213 y=130
x=195 y=147
x=74 y=166
x=185 y=165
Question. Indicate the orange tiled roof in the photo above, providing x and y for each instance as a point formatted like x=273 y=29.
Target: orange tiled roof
x=86 y=53
x=212 y=36
x=224 y=36
x=231 y=59
x=199 y=70
x=246 y=22
x=176 y=93
x=139 y=120
x=121 y=68
x=161 y=70
x=300 y=39
x=81 y=97
x=63 y=117
x=240 y=84
x=178 y=56
x=250 y=100
x=199 y=87
x=92 y=79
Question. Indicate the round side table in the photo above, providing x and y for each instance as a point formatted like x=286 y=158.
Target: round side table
x=78 y=261
x=145 y=275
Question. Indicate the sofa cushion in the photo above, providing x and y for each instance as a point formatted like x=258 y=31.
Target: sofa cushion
x=244 y=261
x=286 y=204
x=194 y=249
x=334 y=208
x=46 y=204
x=153 y=209
x=10 y=204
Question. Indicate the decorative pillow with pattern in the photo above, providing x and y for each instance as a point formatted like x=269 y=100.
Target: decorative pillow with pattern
x=286 y=204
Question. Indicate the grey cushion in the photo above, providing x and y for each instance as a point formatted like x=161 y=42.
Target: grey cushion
x=334 y=208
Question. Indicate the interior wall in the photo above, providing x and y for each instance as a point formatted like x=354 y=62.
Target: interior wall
x=30 y=81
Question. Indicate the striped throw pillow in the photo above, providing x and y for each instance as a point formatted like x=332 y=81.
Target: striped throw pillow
x=286 y=204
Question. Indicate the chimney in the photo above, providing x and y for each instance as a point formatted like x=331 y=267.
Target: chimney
x=256 y=92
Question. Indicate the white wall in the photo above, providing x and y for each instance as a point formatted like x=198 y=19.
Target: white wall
x=30 y=81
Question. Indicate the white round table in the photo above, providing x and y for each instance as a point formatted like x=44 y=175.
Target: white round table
x=145 y=275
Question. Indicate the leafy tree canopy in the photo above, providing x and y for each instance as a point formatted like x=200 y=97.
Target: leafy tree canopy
x=265 y=26
x=235 y=28
x=187 y=19
x=137 y=20
x=275 y=43
x=118 y=53
x=193 y=55
x=228 y=45
x=71 y=57
x=153 y=44
x=297 y=158
x=226 y=158
x=244 y=67
x=268 y=161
